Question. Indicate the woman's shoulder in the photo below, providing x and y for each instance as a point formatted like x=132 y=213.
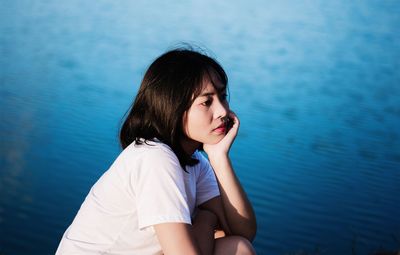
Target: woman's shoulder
x=153 y=151
x=203 y=161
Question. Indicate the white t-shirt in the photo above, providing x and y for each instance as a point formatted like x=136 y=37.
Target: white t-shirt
x=144 y=186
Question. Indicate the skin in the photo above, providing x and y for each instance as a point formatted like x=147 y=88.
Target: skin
x=205 y=123
x=204 y=224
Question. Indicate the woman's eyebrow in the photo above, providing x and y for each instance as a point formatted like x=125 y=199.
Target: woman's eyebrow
x=212 y=93
x=207 y=94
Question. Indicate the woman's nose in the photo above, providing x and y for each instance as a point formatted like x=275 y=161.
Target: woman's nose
x=221 y=109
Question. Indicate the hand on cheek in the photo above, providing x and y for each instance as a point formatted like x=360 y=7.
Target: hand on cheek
x=223 y=146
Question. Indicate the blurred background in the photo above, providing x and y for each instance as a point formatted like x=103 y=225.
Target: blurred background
x=316 y=85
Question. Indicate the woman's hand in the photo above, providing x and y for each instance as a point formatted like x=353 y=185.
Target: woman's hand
x=223 y=146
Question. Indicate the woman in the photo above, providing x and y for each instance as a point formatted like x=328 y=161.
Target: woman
x=161 y=195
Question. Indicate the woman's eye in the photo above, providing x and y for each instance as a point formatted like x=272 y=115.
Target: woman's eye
x=207 y=103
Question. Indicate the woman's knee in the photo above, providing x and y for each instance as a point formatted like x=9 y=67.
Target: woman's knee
x=244 y=246
x=237 y=245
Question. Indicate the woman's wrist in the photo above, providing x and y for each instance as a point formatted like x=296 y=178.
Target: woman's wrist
x=219 y=161
x=216 y=155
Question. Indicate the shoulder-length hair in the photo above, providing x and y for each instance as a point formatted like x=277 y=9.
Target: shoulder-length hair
x=168 y=89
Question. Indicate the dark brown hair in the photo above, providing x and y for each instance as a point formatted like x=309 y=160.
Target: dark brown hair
x=167 y=91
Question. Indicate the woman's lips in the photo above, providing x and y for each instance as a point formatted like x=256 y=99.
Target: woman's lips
x=220 y=129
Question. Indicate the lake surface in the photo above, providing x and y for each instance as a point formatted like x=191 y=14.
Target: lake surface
x=316 y=85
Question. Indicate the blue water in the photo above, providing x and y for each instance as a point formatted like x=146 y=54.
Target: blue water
x=316 y=85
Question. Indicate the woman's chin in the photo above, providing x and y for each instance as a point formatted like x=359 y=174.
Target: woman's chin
x=216 y=140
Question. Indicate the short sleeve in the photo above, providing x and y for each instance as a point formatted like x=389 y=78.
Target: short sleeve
x=206 y=184
x=159 y=189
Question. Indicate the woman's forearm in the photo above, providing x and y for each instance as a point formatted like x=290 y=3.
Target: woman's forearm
x=238 y=210
x=203 y=227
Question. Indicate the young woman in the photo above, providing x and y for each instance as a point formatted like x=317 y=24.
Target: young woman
x=161 y=195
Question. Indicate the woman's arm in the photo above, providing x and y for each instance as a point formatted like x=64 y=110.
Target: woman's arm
x=204 y=225
x=238 y=212
x=180 y=238
x=176 y=239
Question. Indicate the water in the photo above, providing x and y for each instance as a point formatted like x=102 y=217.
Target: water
x=315 y=83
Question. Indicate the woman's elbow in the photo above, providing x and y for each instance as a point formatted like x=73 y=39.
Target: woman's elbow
x=251 y=233
x=247 y=231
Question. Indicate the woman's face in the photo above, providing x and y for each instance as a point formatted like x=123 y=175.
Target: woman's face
x=205 y=120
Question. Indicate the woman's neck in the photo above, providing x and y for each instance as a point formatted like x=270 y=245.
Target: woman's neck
x=189 y=145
